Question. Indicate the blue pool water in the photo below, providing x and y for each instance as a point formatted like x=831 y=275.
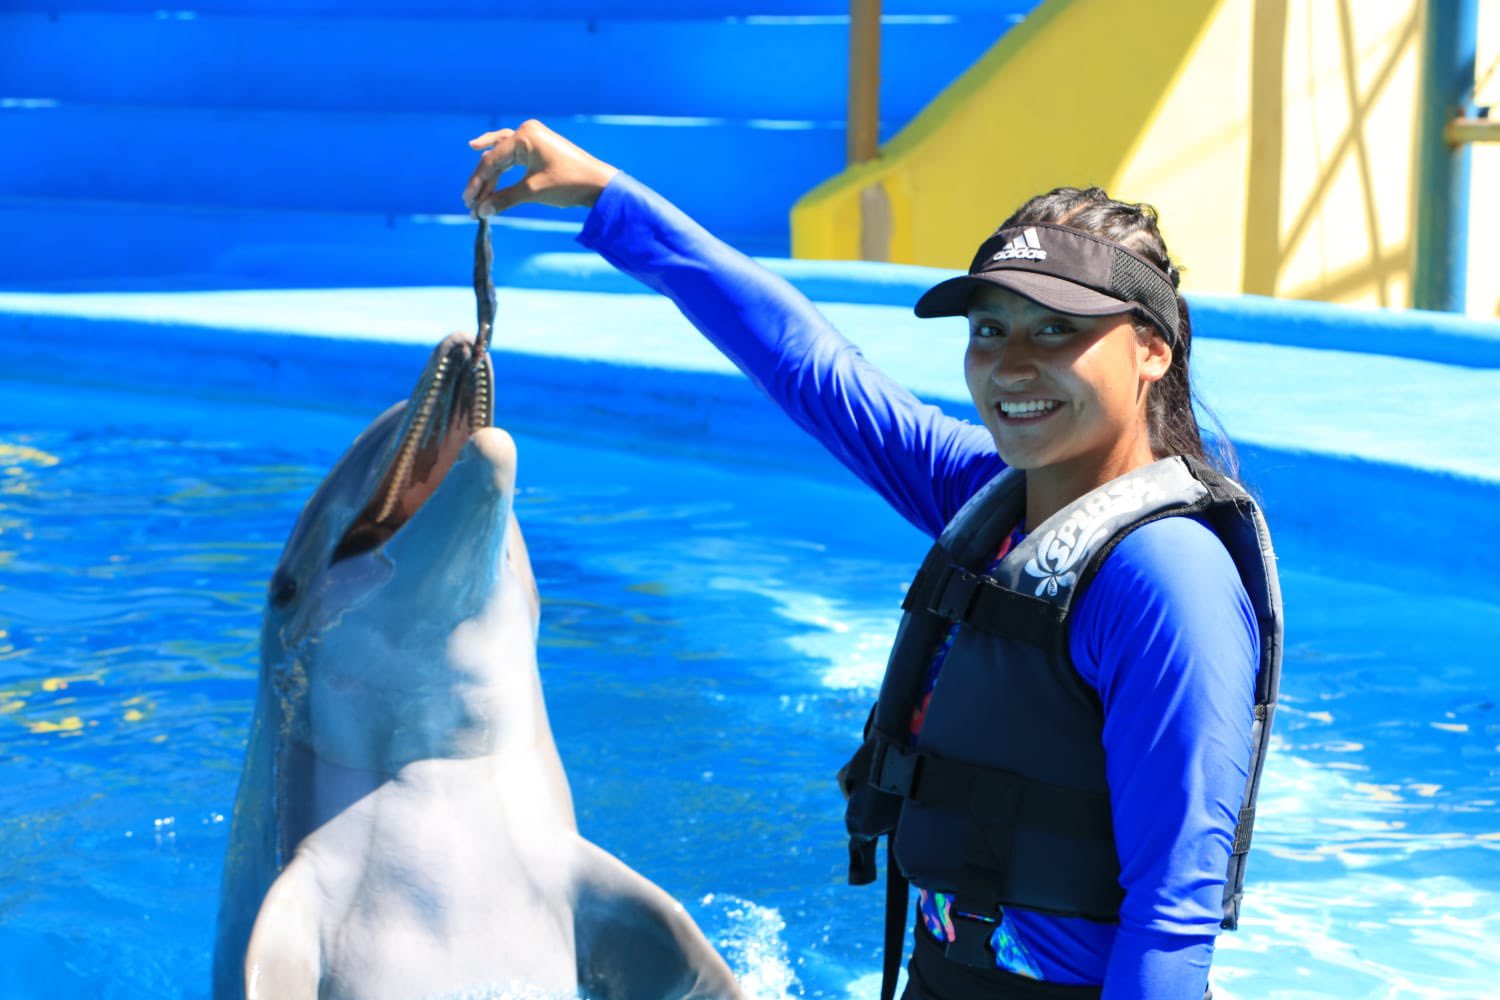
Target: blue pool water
x=711 y=638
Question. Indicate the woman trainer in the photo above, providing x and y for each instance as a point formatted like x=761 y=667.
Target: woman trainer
x=1070 y=732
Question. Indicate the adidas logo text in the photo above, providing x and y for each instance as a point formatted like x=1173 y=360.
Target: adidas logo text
x=1023 y=247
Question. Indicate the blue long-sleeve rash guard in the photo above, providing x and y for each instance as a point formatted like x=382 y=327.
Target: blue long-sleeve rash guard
x=1166 y=633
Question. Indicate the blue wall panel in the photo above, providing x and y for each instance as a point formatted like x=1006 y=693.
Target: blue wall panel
x=529 y=8
x=1402 y=333
x=159 y=117
x=61 y=246
x=705 y=67
x=360 y=162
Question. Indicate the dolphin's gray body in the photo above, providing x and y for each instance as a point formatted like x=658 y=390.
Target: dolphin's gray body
x=403 y=826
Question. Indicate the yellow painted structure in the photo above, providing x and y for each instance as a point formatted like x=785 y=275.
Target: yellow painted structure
x=1276 y=137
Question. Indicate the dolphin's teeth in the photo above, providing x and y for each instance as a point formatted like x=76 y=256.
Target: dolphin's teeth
x=430 y=401
x=452 y=399
x=482 y=413
x=417 y=434
x=406 y=460
x=388 y=503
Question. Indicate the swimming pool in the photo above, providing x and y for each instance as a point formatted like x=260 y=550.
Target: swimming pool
x=712 y=635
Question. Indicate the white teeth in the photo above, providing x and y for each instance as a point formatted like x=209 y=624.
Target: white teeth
x=1022 y=408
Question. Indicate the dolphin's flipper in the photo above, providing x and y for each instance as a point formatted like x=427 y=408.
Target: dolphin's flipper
x=635 y=942
x=283 y=958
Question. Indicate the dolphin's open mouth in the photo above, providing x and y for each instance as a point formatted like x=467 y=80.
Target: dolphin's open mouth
x=454 y=398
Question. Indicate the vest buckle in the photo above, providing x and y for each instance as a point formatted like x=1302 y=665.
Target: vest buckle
x=956 y=593
x=893 y=770
x=971 y=942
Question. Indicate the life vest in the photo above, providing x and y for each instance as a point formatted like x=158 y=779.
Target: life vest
x=1005 y=801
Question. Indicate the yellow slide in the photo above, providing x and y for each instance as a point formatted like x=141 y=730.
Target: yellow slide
x=1278 y=138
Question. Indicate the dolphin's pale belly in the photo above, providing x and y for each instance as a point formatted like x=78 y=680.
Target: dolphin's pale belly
x=404 y=827
x=411 y=903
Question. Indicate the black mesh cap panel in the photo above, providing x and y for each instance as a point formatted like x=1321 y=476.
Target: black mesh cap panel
x=1136 y=280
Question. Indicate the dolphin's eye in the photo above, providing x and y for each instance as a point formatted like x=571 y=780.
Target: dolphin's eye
x=283 y=589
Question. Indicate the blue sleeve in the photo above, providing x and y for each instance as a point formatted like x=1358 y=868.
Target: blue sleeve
x=923 y=462
x=1167 y=635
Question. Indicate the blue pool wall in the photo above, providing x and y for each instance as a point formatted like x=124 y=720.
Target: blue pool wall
x=1364 y=432
x=232 y=137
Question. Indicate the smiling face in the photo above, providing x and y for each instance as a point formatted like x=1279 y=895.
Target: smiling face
x=1064 y=396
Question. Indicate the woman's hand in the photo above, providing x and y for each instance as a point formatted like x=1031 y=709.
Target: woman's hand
x=557 y=172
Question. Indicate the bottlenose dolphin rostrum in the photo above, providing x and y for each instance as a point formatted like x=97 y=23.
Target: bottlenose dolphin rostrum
x=403 y=826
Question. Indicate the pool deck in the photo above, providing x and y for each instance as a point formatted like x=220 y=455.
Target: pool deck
x=1371 y=443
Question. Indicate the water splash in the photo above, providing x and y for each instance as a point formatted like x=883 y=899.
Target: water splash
x=504 y=992
x=753 y=946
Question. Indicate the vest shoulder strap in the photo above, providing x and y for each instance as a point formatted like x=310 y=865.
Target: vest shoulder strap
x=959 y=595
x=972 y=537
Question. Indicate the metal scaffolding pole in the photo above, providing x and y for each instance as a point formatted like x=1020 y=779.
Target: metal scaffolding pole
x=864 y=80
x=1440 y=274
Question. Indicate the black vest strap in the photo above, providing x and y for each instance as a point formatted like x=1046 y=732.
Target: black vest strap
x=953 y=592
x=897 y=897
x=998 y=796
x=919 y=596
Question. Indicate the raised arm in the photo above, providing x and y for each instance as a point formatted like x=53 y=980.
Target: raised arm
x=922 y=461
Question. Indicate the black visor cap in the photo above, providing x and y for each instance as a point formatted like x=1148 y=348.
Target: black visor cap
x=1062 y=269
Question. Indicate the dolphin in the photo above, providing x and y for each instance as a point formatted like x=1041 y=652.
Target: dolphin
x=403 y=825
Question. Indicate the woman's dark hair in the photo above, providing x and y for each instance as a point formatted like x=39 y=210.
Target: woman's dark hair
x=1169 y=407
